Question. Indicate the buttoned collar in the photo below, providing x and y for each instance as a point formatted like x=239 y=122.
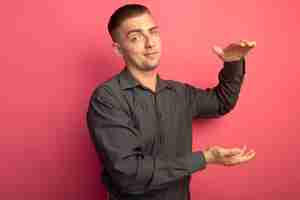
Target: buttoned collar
x=127 y=80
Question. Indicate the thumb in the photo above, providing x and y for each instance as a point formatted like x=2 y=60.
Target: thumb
x=218 y=50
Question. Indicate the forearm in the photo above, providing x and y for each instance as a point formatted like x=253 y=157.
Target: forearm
x=144 y=173
x=219 y=100
x=230 y=81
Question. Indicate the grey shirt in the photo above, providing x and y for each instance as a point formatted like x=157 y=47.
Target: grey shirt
x=144 y=138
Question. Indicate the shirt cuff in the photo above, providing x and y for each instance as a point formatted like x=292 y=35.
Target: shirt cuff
x=198 y=161
x=235 y=68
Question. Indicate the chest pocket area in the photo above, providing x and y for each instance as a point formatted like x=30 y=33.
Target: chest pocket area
x=143 y=114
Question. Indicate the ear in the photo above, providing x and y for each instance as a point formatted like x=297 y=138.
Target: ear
x=117 y=49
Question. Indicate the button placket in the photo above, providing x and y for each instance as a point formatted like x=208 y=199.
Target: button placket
x=158 y=119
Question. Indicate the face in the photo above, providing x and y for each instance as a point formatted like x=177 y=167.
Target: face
x=139 y=43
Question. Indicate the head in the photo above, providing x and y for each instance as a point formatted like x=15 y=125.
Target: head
x=135 y=37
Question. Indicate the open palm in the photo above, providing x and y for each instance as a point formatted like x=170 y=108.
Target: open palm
x=231 y=156
x=234 y=51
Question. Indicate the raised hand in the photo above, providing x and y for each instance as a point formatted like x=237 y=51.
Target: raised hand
x=234 y=51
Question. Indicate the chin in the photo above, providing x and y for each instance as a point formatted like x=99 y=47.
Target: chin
x=147 y=68
x=150 y=67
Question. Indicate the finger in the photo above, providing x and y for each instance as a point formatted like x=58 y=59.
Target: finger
x=252 y=44
x=248 y=43
x=243 y=149
x=218 y=50
x=240 y=159
x=250 y=153
x=244 y=155
x=249 y=156
x=243 y=44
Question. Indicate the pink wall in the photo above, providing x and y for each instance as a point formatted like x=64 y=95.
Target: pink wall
x=54 y=53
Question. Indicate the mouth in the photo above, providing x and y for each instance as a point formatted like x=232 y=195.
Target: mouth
x=150 y=54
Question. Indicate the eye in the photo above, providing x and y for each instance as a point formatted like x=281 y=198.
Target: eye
x=135 y=38
x=155 y=32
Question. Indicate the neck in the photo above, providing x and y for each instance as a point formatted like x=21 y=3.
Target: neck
x=146 y=78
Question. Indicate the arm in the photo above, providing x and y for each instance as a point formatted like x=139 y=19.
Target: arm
x=217 y=101
x=131 y=170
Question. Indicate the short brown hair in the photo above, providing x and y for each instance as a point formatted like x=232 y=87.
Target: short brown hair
x=123 y=13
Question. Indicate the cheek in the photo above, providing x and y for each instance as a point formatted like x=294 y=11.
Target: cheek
x=136 y=51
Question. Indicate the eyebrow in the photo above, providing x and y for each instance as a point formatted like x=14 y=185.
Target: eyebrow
x=140 y=30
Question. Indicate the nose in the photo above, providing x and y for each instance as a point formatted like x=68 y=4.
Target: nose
x=149 y=42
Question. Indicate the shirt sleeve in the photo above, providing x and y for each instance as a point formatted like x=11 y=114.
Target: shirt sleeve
x=219 y=100
x=130 y=168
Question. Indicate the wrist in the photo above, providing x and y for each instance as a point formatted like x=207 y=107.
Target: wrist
x=208 y=155
x=232 y=59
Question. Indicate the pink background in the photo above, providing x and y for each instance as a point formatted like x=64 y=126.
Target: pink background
x=54 y=53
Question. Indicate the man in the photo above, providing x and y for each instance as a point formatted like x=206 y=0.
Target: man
x=142 y=125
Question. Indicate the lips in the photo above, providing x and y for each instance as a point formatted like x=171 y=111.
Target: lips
x=149 y=54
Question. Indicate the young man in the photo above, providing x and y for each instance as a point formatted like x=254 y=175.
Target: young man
x=142 y=125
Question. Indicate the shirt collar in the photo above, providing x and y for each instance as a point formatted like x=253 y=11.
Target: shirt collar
x=127 y=80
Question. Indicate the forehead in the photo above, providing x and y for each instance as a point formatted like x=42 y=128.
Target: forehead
x=143 y=22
